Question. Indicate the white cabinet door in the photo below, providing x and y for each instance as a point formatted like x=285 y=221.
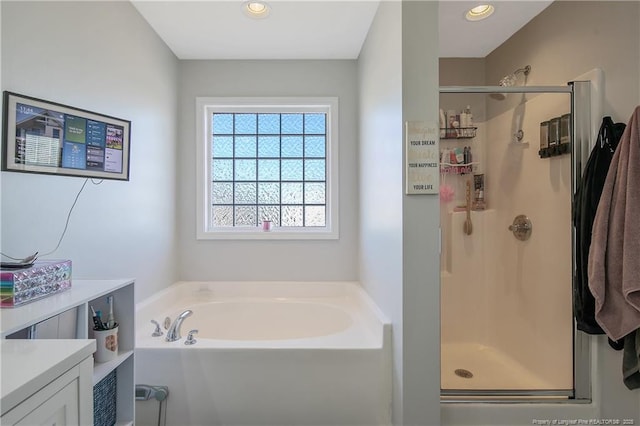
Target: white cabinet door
x=59 y=410
x=54 y=405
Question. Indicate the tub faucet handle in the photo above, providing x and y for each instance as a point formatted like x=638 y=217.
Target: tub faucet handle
x=157 y=332
x=190 y=340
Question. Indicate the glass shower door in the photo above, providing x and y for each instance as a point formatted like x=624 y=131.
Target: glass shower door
x=507 y=327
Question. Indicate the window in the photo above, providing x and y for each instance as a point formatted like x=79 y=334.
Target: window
x=267 y=159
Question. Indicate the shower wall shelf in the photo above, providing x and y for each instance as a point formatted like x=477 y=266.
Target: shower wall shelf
x=458 y=132
x=457 y=169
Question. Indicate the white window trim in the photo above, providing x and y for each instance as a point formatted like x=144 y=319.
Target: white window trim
x=205 y=107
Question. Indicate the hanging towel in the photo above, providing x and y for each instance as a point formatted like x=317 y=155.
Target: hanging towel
x=631 y=360
x=614 y=256
x=585 y=204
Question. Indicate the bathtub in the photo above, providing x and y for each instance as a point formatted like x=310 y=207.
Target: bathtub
x=267 y=353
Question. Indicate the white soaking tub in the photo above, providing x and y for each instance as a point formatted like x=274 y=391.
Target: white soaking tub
x=267 y=353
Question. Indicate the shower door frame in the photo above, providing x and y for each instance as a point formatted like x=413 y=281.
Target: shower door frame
x=581 y=140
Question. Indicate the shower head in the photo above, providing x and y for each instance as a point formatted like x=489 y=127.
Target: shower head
x=510 y=81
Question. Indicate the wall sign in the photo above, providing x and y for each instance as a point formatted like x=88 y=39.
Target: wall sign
x=423 y=168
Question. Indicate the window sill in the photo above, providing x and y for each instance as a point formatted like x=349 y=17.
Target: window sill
x=274 y=234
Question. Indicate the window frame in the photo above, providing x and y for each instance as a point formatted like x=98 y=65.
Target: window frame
x=206 y=106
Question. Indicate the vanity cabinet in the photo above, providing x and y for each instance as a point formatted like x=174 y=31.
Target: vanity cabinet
x=46 y=382
x=75 y=303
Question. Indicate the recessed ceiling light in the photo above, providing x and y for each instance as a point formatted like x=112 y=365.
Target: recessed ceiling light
x=256 y=9
x=479 y=12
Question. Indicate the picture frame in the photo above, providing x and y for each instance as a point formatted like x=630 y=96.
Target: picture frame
x=40 y=136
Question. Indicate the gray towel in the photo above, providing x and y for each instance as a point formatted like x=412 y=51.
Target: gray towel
x=614 y=264
x=631 y=360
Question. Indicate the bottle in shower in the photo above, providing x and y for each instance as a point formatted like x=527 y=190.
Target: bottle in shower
x=469 y=116
x=478 y=186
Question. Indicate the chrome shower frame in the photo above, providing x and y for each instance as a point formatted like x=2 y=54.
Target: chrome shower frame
x=582 y=139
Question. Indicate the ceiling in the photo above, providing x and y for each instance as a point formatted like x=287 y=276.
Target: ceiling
x=460 y=38
x=316 y=29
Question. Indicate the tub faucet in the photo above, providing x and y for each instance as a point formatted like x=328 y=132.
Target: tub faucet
x=174 y=331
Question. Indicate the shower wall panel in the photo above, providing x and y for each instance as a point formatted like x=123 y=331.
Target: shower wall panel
x=530 y=313
x=465 y=295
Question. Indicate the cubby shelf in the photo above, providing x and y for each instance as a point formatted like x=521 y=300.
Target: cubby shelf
x=100 y=370
x=81 y=295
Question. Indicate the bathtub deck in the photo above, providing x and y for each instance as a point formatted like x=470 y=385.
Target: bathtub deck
x=291 y=354
x=273 y=315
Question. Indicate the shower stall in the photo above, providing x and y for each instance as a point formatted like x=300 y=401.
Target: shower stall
x=507 y=329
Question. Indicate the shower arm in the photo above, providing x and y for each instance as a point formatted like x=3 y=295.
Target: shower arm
x=526 y=70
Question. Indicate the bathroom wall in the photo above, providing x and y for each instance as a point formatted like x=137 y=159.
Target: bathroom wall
x=594 y=34
x=1 y=123
x=100 y=56
x=398 y=242
x=464 y=258
x=380 y=175
x=566 y=40
x=531 y=304
x=420 y=233
x=463 y=72
x=238 y=260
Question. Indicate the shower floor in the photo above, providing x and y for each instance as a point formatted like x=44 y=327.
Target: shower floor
x=491 y=368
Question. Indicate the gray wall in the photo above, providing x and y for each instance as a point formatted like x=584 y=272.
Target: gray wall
x=238 y=260
x=463 y=72
x=421 y=223
x=1 y=121
x=399 y=259
x=380 y=161
x=570 y=38
x=100 y=56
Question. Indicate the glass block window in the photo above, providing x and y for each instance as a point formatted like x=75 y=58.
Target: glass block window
x=268 y=163
x=268 y=166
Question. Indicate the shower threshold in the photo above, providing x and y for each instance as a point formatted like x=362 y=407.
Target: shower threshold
x=455 y=395
x=508 y=400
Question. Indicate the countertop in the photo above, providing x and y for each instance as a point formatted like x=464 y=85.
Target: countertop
x=28 y=365
x=81 y=291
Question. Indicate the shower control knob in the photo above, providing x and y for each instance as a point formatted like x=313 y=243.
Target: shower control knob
x=190 y=339
x=521 y=227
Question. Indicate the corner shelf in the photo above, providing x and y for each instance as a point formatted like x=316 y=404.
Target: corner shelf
x=457 y=169
x=458 y=132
